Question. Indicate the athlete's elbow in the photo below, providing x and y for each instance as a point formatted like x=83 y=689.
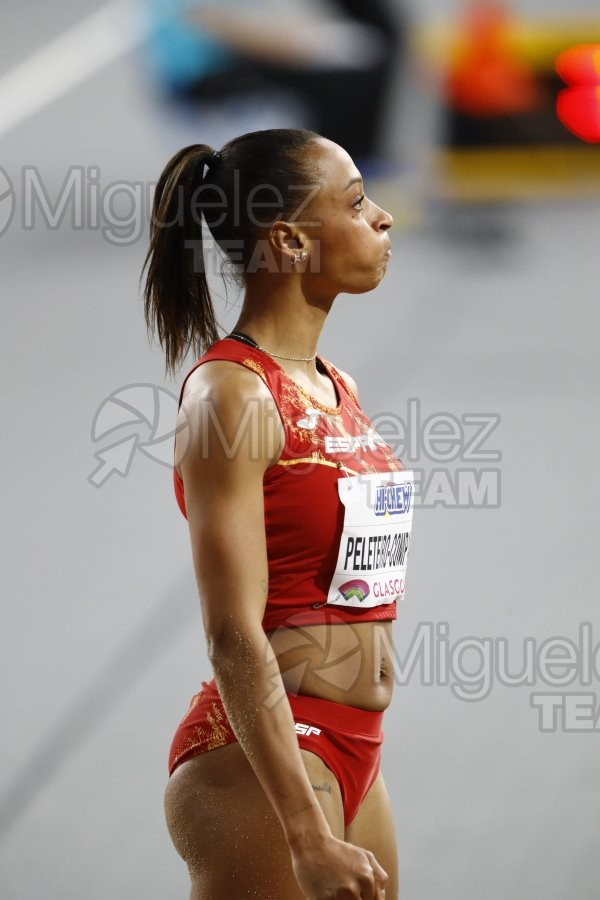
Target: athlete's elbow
x=218 y=646
x=235 y=641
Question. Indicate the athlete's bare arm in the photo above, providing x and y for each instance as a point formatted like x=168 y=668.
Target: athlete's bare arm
x=235 y=435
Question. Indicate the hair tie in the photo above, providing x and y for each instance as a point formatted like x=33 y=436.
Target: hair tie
x=214 y=157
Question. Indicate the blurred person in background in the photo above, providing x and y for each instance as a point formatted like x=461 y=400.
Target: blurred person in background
x=337 y=56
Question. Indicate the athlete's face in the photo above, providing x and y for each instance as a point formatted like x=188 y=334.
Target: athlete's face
x=348 y=239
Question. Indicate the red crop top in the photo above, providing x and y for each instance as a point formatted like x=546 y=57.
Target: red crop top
x=304 y=515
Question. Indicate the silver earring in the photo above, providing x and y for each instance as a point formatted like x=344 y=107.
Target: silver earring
x=303 y=256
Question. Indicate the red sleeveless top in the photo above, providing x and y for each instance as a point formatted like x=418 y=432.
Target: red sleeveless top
x=303 y=514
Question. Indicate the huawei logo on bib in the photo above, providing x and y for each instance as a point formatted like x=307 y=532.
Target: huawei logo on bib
x=392 y=499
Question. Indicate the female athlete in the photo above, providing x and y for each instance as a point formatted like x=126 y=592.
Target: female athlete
x=299 y=519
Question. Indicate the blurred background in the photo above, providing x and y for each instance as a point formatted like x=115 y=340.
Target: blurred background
x=489 y=309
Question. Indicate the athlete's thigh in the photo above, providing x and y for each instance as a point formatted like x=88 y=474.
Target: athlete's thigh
x=327 y=791
x=373 y=829
x=224 y=827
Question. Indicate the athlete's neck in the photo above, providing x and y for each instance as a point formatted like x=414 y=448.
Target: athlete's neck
x=286 y=325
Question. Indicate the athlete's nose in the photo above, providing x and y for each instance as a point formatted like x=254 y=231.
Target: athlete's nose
x=387 y=222
x=383 y=220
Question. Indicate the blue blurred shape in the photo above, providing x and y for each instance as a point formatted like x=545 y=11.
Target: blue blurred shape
x=177 y=52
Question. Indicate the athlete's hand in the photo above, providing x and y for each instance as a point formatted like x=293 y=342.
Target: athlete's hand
x=336 y=870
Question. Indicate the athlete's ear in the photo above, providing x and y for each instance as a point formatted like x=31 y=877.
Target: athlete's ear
x=286 y=240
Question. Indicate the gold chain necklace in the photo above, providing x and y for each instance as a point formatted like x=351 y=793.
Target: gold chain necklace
x=248 y=340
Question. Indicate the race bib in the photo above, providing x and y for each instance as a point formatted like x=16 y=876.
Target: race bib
x=371 y=565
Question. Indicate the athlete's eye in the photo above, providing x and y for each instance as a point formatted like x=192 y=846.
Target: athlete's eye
x=358 y=204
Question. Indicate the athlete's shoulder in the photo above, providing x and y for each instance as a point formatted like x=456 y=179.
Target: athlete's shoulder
x=225 y=380
x=224 y=407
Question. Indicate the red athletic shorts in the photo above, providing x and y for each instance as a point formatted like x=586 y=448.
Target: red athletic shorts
x=346 y=738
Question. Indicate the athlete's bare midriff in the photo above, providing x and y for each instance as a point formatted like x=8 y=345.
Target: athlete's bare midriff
x=347 y=663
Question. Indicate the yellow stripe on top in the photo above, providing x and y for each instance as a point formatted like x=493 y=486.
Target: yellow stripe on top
x=318 y=460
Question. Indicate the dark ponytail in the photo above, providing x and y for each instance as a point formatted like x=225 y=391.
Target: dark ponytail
x=177 y=302
x=254 y=180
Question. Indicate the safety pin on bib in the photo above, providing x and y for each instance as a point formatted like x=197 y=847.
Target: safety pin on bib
x=343 y=468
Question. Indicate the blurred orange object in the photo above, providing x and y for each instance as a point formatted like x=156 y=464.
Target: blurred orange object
x=578 y=108
x=487 y=78
x=580 y=65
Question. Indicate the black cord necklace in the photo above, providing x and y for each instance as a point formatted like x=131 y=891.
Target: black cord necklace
x=240 y=336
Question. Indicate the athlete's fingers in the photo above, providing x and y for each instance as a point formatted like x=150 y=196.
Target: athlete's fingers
x=367 y=884
x=379 y=874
